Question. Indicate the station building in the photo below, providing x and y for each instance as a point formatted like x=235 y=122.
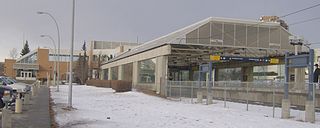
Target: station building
x=241 y=50
x=38 y=65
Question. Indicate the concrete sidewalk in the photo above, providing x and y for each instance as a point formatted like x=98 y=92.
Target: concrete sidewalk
x=36 y=114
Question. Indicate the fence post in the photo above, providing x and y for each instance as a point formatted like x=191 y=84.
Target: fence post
x=170 y=95
x=180 y=90
x=207 y=85
x=191 y=92
x=225 y=94
x=209 y=96
x=247 y=89
x=166 y=87
x=273 y=97
x=199 y=94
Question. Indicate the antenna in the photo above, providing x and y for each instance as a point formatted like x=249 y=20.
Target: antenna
x=138 y=40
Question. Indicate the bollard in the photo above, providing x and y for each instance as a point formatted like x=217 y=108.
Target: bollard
x=33 y=90
x=18 y=105
x=26 y=98
x=199 y=97
x=310 y=112
x=209 y=98
x=6 y=118
x=285 y=114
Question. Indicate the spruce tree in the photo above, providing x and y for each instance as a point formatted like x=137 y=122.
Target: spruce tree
x=25 y=49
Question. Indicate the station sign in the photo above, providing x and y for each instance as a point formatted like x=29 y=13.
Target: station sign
x=238 y=58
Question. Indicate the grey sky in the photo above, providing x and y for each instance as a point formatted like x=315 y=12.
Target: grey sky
x=124 y=20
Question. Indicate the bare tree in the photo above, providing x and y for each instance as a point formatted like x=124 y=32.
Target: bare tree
x=13 y=53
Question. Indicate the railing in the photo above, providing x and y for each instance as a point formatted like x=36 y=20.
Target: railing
x=264 y=93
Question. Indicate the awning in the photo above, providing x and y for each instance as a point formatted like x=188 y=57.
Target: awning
x=26 y=66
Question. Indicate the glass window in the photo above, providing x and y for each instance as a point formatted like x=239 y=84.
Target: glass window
x=270 y=72
x=228 y=74
x=29 y=59
x=114 y=72
x=147 y=71
x=105 y=74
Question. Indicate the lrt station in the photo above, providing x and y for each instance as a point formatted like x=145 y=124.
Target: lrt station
x=240 y=50
x=238 y=60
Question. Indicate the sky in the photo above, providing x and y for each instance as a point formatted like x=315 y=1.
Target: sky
x=127 y=20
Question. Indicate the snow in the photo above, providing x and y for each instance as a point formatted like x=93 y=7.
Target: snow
x=102 y=107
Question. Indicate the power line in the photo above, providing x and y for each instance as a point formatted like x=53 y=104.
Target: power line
x=257 y=24
x=308 y=20
x=283 y=17
x=316 y=43
x=300 y=10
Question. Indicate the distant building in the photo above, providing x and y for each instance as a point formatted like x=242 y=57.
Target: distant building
x=38 y=64
x=275 y=19
x=1 y=68
x=100 y=51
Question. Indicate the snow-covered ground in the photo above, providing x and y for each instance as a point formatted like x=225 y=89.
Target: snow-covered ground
x=102 y=108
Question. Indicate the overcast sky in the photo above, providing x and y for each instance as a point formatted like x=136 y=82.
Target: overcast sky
x=124 y=20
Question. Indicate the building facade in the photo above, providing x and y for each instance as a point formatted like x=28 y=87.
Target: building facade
x=178 y=55
x=1 y=68
x=100 y=51
x=39 y=65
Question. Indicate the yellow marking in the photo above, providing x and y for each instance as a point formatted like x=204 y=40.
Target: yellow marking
x=215 y=58
x=274 y=61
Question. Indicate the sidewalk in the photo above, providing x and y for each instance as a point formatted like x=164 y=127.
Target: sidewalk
x=36 y=114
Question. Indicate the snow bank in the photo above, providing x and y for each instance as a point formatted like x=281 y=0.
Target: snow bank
x=101 y=108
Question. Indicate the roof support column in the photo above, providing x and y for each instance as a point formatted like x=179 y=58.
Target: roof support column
x=160 y=73
x=299 y=73
x=109 y=74
x=135 y=74
x=120 y=72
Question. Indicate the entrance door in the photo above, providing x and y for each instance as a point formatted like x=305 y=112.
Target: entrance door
x=26 y=74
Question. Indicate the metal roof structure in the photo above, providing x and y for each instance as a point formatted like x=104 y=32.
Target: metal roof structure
x=222 y=34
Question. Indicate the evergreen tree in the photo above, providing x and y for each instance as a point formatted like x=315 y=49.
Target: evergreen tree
x=25 y=49
x=84 y=63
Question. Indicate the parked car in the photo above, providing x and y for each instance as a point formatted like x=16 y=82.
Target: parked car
x=6 y=93
x=16 y=86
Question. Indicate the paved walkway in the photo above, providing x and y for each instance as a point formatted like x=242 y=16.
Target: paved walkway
x=36 y=114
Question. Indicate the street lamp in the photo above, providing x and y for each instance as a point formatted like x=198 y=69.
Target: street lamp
x=55 y=21
x=55 y=60
x=71 y=56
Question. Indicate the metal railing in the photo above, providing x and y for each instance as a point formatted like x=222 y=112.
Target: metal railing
x=261 y=93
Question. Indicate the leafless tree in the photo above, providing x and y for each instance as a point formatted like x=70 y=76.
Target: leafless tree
x=13 y=53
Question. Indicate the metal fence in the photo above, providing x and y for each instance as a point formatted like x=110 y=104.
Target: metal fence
x=242 y=95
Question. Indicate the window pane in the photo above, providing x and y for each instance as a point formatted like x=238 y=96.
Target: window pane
x=228 y=74
x=147 y=71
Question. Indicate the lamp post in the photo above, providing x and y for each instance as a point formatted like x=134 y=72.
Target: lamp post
x=71 y=57
x=57 y=26
x=55 y=60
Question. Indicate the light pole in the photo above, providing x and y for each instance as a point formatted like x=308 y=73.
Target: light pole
x=55 y=21
x=55 y=59
x=71 y=57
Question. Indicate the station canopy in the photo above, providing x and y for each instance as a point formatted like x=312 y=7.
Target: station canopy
x=220 y=36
